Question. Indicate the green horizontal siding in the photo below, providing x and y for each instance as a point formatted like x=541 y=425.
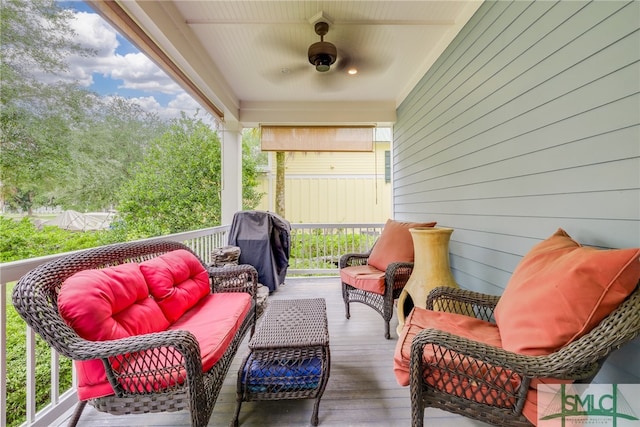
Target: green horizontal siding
x=529 y=121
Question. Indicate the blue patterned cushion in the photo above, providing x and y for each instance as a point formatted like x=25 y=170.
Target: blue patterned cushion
x=281 y=375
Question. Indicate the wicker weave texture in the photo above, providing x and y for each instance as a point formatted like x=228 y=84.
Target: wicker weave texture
x=493 y=383
x=289 y=355
x=35 y=299
x=396 y=277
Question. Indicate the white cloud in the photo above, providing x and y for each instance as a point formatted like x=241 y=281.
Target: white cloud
x=182 y=102
x=94 y=33
x=132 y=71
x=139 y=73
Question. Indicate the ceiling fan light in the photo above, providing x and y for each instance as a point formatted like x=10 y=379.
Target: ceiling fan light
x=322 y=67
x=322 y=55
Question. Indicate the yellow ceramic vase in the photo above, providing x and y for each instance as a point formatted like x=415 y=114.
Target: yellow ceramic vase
x=431 y=269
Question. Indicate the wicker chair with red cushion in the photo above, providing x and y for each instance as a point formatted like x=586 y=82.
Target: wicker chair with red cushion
x=376 y=278
x=564 y=310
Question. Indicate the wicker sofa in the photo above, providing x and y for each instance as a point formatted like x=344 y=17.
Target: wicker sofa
x=150 y=327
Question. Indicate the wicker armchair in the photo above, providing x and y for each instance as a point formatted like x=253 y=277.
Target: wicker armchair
x=35 y=299
x=578 y=361
x=395 y=277
x=377 y=277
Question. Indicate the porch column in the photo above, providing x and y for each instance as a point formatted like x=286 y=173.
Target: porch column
x=231 y=197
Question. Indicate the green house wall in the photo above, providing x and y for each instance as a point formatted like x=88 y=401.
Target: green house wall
x=528 y=122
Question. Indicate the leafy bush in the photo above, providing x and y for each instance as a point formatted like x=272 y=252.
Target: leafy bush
x=21 y=239
x=17 y=375
x=317 y=243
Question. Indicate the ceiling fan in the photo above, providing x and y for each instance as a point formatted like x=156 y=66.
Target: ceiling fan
x=332 y=63
x=322 y=54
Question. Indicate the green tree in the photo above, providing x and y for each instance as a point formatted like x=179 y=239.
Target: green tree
x=105 y=149
x=33 y=153
x=36 y=39
x=252 y=158
x=35 y=117
x=177 y=185
x=280 y=165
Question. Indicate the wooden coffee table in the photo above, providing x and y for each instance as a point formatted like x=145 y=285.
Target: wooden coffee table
x=289 y=355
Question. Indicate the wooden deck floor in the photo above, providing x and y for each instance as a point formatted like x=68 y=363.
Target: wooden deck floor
x=362 y=390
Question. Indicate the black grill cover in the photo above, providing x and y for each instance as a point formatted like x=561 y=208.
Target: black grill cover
x=264 y=239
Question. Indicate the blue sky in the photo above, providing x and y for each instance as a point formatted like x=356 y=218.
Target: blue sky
x=120 y=69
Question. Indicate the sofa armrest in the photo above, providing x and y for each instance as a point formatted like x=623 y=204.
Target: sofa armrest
x=143 y=363
x=463 y=301
x=234 y=278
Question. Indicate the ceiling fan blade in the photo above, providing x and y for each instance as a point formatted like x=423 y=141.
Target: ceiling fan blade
x=363 y=64
x=279 y=41
x=330 y=81
x=286 y=73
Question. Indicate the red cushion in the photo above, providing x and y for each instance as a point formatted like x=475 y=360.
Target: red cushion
x=473 y=329
x=456 y=324
x=561 y=290
x=365 y=277
x=395 y=244
x=177 y=280
x=214 y=321
x=530 y=409
x=107 y=304
x=92 y=379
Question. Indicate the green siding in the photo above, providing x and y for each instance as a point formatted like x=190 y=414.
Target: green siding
x=529 y=121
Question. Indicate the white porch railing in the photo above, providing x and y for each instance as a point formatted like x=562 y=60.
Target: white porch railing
x=315 y=249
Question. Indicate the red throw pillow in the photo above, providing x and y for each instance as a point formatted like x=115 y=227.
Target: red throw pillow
x=395 y=244
x=110 y=303
x=177 y=280
x=107 y=304
x=561 y=290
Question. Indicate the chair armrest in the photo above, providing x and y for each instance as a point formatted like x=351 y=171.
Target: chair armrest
x=234 y=278
x=352 y=259
x=397 y=274
x=577 y=360
x=474 y=304
x=183 y=340
x=487 y=374
x=560 y=364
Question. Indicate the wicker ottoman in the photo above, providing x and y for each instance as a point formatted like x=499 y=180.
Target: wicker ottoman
x=289 y=355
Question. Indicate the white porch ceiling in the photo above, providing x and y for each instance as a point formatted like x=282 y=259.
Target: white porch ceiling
x=249 y=58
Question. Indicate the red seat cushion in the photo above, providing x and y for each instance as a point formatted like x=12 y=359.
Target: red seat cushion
x=460 y=385
x=395 y=244
x=456 y=324
x=365 y=277
x=177 y=280
x=214 y=321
